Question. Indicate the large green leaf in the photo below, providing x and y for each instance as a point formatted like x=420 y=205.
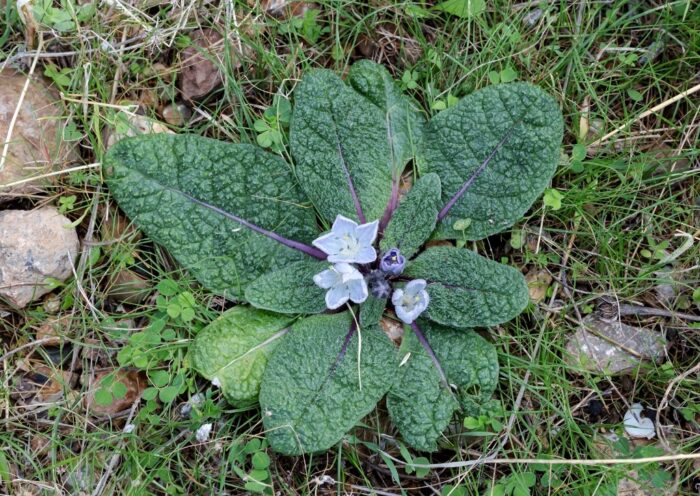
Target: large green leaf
x=404 y=119
x=314 y=390
x=495 y=152
x=234 y=349
x=420 y=403
x=290 y=289
x=179 y=188
x=414 y=220
x=339 y=143
x=469 y=361
x=371 y=311
x=468 y=290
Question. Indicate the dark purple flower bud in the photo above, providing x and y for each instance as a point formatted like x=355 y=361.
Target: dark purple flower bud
x=392 y=262
x=378 y=286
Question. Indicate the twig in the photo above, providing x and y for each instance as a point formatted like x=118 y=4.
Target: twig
x=50 y=174
x=110 y=242
x=628 y=309
x=117 y=76
x=550 y=461
x=684 y=140
x=11 y=127
x=89 y=234
x=578 y=406
x=575 y=41
x=371 y=490
x=87 y=51
x=662 y=406
x=82 y=263
x=592 y=330
x=81 y=292
x=38 y=342
x=647 y=113
x=587 y=328
x=521 y=393
x=116 y=456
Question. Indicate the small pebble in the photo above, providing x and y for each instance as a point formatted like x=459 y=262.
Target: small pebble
x=532 y=17
x=203 y=433
x=52 y=304
x=176 y=114
x=595 y=409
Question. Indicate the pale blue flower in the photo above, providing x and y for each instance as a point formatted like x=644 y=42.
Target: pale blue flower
x=343 y=282
x=410 y=301
x=349 y=242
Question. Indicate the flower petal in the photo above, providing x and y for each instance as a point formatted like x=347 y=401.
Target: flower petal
x=405 y=316
x=347 y=272
x=366 y=254
x=397 y=297
x=343 y=225
x=422 y=304
x=358 y=290
x=337 y=296
x=327 y=279
x=415 y=286
x=345 y=268
x=328 y=243
x=367 y=233
x=338 y=258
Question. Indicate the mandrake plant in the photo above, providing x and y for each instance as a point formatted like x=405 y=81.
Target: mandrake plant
x=318 y=250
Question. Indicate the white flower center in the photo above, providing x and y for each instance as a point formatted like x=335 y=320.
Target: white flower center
x=346 y=278
x=350 y=246
x=410 y=301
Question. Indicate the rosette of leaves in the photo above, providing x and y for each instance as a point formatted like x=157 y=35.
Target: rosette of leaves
x=241 y=220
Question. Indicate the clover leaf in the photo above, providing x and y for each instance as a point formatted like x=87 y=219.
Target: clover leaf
x=253 y=228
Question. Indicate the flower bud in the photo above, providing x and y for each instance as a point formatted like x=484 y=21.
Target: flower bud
x=378 y=286
x=392 y=262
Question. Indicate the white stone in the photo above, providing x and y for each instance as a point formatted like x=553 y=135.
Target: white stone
x=34 y=245
x=636 y=426
x=203 y=433
x=612 y=347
